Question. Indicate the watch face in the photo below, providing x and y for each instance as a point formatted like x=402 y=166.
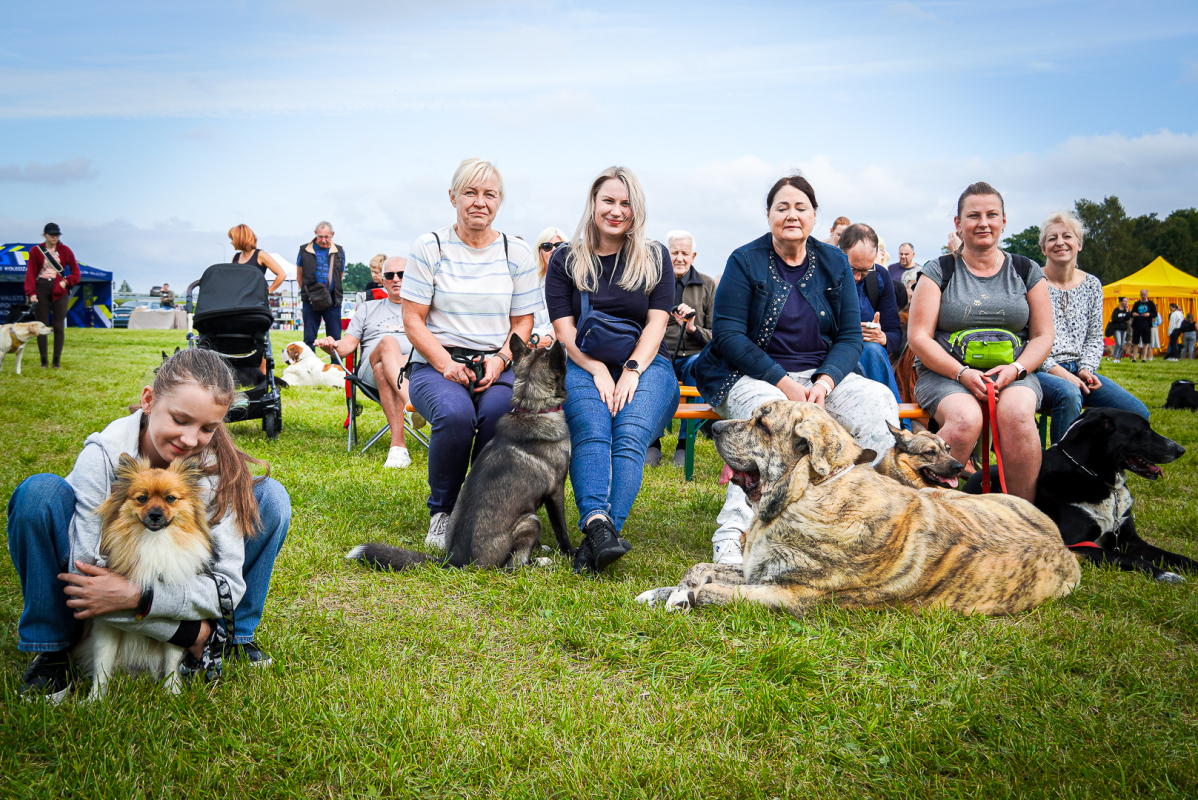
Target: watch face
x=632 y=365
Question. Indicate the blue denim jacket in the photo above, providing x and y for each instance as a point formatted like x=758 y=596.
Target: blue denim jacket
x=748 y=302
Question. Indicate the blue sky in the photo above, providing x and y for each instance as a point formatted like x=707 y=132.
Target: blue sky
x=147 y=130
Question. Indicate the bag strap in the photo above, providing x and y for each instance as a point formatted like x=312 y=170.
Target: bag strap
x=52 y=259
x=948 y=266
x=990 y=422
x=1023 y=266
x=873 y=287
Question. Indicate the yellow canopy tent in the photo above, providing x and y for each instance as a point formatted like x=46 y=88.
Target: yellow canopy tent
x=1165 y=284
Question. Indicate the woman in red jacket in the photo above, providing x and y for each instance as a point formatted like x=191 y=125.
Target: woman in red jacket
x=49 y=275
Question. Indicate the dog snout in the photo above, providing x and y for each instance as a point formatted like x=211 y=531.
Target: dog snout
x=155 y=519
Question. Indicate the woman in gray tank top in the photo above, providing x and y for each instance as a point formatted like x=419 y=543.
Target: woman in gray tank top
x=986 y=290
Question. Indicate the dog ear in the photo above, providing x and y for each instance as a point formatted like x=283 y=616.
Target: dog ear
x=823 y=450
x=918 y=427
x=190 y=470
x=557 y=355
x=127 y=467
x=519 y=349
x=866 y=457
x=900 y=437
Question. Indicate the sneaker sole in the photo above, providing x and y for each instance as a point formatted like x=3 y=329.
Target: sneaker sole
x=611 y=555
x=55 y=698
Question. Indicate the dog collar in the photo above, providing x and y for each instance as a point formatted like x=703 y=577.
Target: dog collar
x=1086 y=470
x=528 y=411
x=836 y=473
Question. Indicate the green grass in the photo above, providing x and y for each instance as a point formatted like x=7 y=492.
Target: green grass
x=538 y=683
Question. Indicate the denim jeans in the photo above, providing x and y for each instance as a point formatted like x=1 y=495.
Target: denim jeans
x=1187 y=344
x=39 y=520
x=875 y=365
x=607 y=459
x=1064 y=400
x=331 y=317
x=461 y=427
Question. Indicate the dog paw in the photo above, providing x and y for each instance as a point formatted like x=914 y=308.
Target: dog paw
x=1170 y=577
x=680 y=600
x=542 y=562
x=655 y=597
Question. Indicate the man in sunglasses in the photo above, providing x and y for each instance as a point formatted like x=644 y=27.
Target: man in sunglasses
x=378 y=326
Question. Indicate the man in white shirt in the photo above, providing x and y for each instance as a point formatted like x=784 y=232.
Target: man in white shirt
x=378 y=326
x=1175 y=320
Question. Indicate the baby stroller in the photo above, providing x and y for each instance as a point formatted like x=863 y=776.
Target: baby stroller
x=233 y=318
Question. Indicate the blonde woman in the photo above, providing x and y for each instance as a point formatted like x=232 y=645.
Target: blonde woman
x=549 y=241
x=613 y=409
x=468 y=289
x=376 y=273
x=246 y=244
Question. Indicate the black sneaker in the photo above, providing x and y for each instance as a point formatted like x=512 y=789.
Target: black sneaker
x=607 y=546
x=584 y=557
x=250 y=653
x=49 y=676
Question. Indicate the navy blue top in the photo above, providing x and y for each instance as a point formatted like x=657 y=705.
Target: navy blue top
x=749 y=302
x=796 y=344
x=887 y=307
x=564 y=300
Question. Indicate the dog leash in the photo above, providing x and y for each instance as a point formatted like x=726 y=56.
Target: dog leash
x=990 y=421
x=477 y=363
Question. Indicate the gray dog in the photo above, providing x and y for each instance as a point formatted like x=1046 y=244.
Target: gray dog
x=495 y=522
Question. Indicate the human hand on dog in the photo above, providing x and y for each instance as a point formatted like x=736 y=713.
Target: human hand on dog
x=98 y=591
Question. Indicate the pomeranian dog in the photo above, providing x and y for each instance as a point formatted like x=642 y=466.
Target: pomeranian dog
x=155 y=528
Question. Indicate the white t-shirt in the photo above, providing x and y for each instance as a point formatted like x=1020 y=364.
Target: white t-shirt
x=375 y=319
x=1175 y=320
x=471 y=293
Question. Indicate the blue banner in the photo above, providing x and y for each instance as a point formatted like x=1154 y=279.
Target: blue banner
x=90 y=304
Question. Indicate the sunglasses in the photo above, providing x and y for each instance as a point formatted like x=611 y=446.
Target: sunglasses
x=392 y=276
x=549 y=247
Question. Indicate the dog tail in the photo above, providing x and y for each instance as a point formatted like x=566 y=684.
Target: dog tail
x=386 y=557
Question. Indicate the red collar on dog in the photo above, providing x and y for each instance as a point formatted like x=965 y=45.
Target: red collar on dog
x=526 y=411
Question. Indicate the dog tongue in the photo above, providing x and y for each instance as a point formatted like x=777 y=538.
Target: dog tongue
x=952 y=482
x=725 y=475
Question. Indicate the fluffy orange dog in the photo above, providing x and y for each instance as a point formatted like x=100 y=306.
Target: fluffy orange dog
x=155 y=529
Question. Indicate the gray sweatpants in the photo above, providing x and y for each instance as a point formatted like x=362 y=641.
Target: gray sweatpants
x=861 y=405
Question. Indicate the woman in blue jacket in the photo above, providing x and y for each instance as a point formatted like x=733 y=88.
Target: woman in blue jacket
x=787 y=325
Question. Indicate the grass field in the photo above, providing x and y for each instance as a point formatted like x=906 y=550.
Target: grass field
x=542 y=684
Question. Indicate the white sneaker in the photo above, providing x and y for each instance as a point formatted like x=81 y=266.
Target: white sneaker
x=727 y=551
x=438 y=526
x=397 y=458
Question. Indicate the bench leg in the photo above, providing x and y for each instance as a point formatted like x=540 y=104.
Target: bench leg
x=691 y=430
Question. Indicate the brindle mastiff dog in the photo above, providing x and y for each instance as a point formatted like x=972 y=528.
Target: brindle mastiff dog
x=827 y=528
x=919 y=459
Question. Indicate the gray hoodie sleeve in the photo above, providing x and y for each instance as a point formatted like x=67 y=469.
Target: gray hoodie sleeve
x=91 y=480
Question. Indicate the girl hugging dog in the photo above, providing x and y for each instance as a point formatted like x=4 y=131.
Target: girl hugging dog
x=54 y=532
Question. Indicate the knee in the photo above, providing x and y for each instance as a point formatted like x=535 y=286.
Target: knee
x=35 y=496
x=274 y=503
x=963 y=416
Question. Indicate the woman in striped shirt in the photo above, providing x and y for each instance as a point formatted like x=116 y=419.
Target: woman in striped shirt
x=467 y=289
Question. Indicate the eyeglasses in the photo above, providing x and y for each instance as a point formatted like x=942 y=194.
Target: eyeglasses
x=861 y=271
x=549 y=247
x=392 y=276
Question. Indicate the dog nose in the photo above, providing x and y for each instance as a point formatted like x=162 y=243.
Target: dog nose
x=155 y=518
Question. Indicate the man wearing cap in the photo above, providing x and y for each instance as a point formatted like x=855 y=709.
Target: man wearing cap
x=319 y=267
x=50 y=273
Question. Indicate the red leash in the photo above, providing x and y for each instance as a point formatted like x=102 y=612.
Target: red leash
x=990 y=421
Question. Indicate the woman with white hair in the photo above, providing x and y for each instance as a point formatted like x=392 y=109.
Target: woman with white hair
x=1069 y=376
x=621 y=390
x=468 y=288
x=549 y=240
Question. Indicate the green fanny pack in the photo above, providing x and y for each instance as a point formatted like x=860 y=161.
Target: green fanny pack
x=982 y=348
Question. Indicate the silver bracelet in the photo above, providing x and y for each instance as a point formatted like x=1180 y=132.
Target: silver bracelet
x=960 y=373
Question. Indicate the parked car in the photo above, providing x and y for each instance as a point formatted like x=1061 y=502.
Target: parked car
x=120 y=314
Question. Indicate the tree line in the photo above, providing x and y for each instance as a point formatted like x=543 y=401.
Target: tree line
x=1117 y=245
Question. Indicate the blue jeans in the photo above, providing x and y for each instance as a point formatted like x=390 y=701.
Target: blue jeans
x=461 y=427
x=331 y=317
x=39 y=519
x=607 y=460
x=875 y=365
x=1064 y=400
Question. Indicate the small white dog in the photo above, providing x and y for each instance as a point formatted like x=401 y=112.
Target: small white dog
x=306 y=368
x=15 y=336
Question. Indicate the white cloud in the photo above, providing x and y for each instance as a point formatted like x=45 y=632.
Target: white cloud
x=57 y=174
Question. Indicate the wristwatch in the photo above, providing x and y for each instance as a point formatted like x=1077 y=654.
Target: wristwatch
x=1022 y=372
x=632 y=365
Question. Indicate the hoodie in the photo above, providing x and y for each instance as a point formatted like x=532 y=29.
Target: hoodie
x=92 y=481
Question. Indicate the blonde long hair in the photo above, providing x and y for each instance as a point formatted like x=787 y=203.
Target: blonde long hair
x=545 y=236
x=641 y=255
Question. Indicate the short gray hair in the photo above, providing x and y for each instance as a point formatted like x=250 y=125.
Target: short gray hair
x=907 y=244
x=855 y=234
x=397 y=264
x=673 y=236
x=471 y=170
x=323 y=224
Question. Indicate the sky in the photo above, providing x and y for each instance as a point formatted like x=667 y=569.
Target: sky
x=147 y=130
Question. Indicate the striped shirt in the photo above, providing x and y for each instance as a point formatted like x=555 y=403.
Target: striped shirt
x=471 y=293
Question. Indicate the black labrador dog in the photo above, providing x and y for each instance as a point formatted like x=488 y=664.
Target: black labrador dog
x=1082 y=487
x=1182 y=395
